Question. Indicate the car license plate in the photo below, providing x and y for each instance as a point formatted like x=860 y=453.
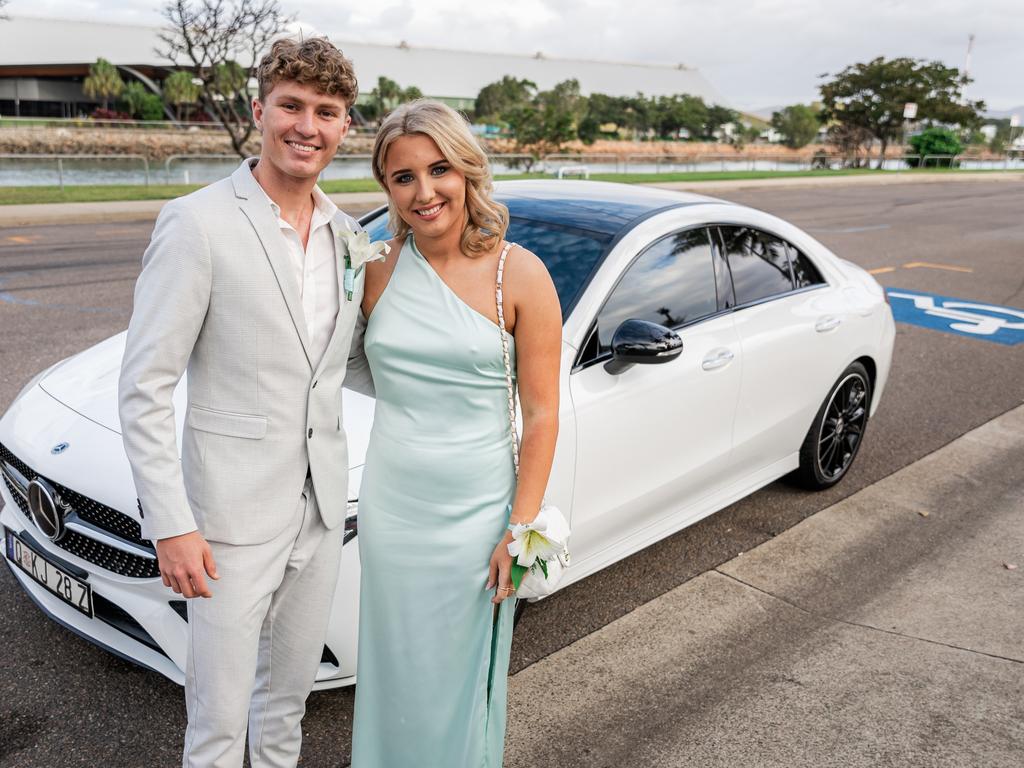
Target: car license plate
x=72 y=591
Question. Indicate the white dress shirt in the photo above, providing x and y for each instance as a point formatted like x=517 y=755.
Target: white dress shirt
x=316 y=271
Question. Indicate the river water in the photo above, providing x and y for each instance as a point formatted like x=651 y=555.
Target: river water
x=200 y=170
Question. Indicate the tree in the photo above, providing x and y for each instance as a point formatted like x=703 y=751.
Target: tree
x=849 y=140
x=551 y=118
x=180 y=91
x=501 y=97
x=673 y=114
x=3 y=16
x=133 y=95
x=104 y=82
x=798 y=125
x=386 y=96
x=222 y=41
x=719 y=117
x=872 y=96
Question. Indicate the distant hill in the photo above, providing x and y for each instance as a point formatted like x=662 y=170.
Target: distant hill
x=1001 y=113
x=765 y=113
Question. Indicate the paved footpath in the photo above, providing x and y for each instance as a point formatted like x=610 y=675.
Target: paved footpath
x=147 y=210
x=885 y=630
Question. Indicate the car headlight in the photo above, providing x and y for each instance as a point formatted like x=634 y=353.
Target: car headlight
x=351 y=526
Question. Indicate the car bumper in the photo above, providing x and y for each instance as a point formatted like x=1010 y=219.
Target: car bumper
x=138 y=619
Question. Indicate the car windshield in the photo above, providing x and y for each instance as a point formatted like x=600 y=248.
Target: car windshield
x=570 y=253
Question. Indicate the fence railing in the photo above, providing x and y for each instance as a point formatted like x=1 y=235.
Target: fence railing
x=198 y=168
x=88 y=122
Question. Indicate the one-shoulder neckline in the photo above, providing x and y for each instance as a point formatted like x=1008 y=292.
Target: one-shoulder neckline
x=411 y=242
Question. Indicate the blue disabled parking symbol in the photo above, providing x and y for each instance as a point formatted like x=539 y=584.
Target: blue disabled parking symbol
x=990 y=322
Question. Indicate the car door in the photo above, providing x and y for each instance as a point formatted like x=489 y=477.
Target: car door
x=654 y=438
x=787 y=338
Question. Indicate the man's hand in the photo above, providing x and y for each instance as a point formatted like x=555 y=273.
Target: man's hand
x=184 y=562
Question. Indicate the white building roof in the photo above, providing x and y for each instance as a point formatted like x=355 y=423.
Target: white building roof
x=436 y=72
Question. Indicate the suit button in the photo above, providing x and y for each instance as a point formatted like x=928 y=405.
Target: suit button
x=310 y=431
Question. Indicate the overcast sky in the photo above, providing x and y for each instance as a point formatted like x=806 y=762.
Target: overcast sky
x=757 y=53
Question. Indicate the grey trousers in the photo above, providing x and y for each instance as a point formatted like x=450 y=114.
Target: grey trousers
x=255 y=646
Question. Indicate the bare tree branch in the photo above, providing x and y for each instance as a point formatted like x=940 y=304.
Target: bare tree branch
x=221 y=42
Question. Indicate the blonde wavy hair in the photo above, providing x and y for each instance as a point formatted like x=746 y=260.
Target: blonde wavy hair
x=486 y=219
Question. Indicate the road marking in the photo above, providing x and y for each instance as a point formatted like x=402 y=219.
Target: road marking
x=1003 y=325
x=881 y=270
x=929 y=265
x=9 y=298
x=21 y=239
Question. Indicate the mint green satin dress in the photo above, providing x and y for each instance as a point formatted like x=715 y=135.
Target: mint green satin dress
x=431 y=683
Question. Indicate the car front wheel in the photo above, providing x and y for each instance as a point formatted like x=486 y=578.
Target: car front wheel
x=835 y=436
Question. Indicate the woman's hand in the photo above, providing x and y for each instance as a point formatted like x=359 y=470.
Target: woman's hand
x=501 y=570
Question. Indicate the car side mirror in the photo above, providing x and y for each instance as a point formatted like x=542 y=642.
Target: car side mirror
x=640 y=342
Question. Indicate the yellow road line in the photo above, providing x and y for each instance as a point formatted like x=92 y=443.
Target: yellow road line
x=881 y=270
x=929 y=265
x=21 y=240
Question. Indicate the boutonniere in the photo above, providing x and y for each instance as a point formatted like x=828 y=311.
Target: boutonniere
x=358 y=251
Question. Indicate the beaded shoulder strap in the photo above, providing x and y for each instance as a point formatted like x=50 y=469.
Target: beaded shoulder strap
x=513 y=433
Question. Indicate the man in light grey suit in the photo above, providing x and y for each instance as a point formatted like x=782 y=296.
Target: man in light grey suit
x=243 y=286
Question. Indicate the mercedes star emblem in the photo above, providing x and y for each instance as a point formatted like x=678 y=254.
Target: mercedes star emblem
x=46 y=508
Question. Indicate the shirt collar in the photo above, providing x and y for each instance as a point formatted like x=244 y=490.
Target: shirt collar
x=323 y=207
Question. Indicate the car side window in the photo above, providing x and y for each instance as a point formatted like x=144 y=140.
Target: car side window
x=672 y=283
x=758 y=261
x=804 y=272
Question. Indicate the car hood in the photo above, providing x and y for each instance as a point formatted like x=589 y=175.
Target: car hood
x=87 y=384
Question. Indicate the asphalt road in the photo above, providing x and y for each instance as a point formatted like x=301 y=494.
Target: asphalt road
x=63 y=288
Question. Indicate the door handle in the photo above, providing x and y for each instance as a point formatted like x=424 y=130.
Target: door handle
x=827 y=323
x=717 y=359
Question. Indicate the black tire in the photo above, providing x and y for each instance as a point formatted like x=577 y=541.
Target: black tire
x=837 y=432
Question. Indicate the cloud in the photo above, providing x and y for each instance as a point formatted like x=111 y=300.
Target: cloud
x=756 y=52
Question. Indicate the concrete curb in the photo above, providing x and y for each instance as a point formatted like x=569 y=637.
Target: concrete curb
x=128 y=210
x=147 y=210
x=884 y=630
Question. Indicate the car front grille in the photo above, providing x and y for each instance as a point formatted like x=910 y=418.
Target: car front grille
x=98 y=515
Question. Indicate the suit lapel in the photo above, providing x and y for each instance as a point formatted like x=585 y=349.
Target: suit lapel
x=337 y=225
x=254 y=205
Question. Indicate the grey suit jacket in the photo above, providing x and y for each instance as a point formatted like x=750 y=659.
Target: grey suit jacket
x=217 y=296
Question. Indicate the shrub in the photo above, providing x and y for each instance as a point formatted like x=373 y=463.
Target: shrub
x=935 y=141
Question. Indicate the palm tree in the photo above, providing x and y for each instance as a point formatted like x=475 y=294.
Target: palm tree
x=103 y=82
x=385 y=96
x=180 y=90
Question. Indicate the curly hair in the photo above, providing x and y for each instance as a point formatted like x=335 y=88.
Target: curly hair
x=313 y=61
x=486 y=219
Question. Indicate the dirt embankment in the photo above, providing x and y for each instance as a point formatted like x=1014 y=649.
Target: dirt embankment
x=159 y=145
x=155 y=145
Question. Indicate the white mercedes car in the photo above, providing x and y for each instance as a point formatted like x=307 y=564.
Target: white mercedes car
x=708 y=349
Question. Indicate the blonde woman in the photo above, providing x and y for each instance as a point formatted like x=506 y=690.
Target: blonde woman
x=440 y=492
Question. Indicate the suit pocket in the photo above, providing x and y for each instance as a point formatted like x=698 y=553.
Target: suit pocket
x=242 y=425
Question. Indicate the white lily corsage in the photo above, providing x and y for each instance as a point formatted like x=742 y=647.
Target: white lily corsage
x=358 y=251
x=536 y=543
